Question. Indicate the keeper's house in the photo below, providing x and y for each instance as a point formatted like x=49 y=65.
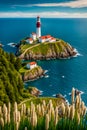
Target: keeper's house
x=31 y=65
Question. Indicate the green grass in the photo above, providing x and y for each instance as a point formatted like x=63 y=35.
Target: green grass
x=23 y=70
x=24 y=47
x=38 y=100
x=45 y=47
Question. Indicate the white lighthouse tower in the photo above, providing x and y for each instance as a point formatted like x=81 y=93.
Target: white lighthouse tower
x=38 y=27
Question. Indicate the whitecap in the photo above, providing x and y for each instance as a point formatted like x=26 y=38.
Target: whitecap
x=11 y=44
x=64 y=95
x=42 y=76
x=77 y=53
x=69 y=93
x=67 y=101
x=81 y=92
x=54 y=95
x=41 y=92
x=46 y=71
x=46 y=76
x=63 y=76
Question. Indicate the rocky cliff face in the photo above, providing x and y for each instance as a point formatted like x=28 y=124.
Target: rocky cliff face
x=33 y=74
x=34 y=91
x=49 y=51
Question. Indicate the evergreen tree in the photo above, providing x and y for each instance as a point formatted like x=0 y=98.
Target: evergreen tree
x=12 y=58
x=18 y=64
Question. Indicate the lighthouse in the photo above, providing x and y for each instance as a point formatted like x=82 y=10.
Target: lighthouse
x=38 y=27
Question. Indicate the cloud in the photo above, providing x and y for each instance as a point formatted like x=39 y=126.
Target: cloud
x=42 y=14
x=71 y=4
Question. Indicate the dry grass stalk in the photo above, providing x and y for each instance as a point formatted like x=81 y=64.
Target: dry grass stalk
x=78 y=117
x=25 y=128
x=17 y=125
x=63 y=109
x=9 y=107
x=47 y=122
x=73 y=95
x=8 y=118
x=24 y=109
x=56 y=116
x=72 y=112
x=77 y=102
x=67 y=111
x=2 y=122
x=28 y=111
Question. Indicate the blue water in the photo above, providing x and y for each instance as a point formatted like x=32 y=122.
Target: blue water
x=62 y=74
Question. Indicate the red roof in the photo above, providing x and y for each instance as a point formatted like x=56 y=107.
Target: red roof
x=30 y=39
x=32 y=63
x=48 y=36
x=43 y=37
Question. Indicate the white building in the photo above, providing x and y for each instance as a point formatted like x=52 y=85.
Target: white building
x=52 y=39
x=48 y=37
x=31 y=65
x=29 y=40
x=33 y=36
x=42 y=39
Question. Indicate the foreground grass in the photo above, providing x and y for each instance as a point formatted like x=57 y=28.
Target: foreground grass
x=45 y=114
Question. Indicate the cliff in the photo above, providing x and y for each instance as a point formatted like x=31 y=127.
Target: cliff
x=34 y=91
x=43 y=51
x=33 y=73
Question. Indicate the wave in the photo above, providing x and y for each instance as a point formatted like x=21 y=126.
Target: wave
x=67 y=102
x=54 y=95
x=77 y=53
x=81 y=92
x=63 y=76
x=41 y=92
x=45 y=71
x=46 y=76
x=64 y=95
x=11 y=44
x=69 y=93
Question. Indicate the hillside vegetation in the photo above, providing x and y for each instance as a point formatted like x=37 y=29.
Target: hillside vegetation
x=40 y=51
x=11 y=84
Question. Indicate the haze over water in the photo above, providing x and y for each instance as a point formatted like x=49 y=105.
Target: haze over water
x=62 y=74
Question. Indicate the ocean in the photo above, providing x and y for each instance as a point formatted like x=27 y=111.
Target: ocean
x=62 y=75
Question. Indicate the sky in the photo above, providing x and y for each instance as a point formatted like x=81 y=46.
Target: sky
x=43 y=8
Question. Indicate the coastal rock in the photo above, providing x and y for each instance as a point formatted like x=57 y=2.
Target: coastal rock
x=34 y=91
x=33 y=73
x=44 y=51
x=60 y=96
x=1 y=45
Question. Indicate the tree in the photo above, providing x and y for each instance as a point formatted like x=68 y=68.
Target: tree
x=18 y=64
x=12 y=58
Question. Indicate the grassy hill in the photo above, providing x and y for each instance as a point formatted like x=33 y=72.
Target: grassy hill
x=58 y=49
x=11 y=84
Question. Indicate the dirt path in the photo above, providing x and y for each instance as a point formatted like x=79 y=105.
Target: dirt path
x=24 y=101
x=28 y=49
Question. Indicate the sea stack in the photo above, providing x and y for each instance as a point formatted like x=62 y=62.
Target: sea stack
x=38 y=27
